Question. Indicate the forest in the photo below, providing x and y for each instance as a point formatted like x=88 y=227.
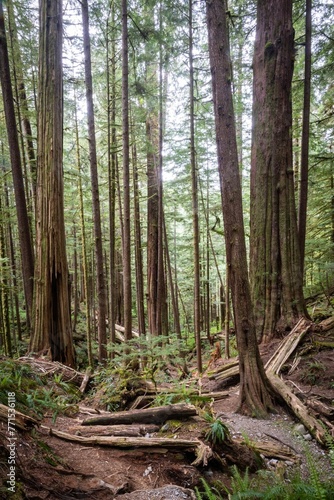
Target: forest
x=166 y=220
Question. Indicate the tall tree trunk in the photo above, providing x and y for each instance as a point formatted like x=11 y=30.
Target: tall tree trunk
x=194 y=195
x=52 y=321
x=152 y=220
x=303 y=192
x=27 y=257
x=101 y=286
x=126 y=178
x=138 y=246
x=254 y=387
x=112 y=161
x=22 y=98
x=274 y=248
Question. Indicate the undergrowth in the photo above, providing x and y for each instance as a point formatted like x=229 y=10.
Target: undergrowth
x=34 y=394
x=270 y=485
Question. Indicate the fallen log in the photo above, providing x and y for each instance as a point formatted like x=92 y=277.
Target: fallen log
x=223 y=369
x=321 y=408
x=299 y=409
x=233 y=371
x=126 y=442
x=156 y=415
x=287 y=346
x=146 y=400
x=45 y=368
x=115 y=430
x=272 y=450
x=16 y=420
x=85 y=381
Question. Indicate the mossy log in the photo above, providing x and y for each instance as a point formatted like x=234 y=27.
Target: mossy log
x=156 y=415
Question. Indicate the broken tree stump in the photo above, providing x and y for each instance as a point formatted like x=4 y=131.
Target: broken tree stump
x=156 y=415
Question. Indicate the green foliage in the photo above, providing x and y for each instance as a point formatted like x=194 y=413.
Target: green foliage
x=312 y=372
x=209 y=493
x=34 y=395
x=218 y=432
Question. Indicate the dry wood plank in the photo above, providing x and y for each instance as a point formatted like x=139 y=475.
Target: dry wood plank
x=115 y=430
x=287 y=346
x=126 y=442
x=22 y=421
x=299 y=409
x=156 y=415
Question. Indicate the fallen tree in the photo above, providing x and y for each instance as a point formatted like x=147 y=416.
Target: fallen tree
x=21 y=421
x=318 y=427
x=132 y=430
x=156 y=415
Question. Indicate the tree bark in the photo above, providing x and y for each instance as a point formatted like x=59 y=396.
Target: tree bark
x=255 y=394
x=52 y=321
x=275 y=269
x=126 y=178
x=303 y=190
x=194 y=195
x=156 y=415
x=27 y=256
x=101 y=286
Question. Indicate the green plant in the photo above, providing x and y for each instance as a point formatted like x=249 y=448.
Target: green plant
x=209 y=493
x=218 y=432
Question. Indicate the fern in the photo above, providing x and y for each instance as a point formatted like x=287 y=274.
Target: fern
x=210 y=493
x=319 y=492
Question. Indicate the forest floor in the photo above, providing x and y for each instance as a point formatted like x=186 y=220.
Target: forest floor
x=52 y=468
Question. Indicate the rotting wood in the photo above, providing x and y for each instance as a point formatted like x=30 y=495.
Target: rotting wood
x=145 y=400
x=156 y=415
x=115 y=430
x=287 y=346
x=22 y=421
x=312 y=424
x=273 y=450
x=321 y=408
x=233 y=371
x=92 y=411
x=126 y=442
x=85 y=381
x=45 y=368
x=121 y=329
